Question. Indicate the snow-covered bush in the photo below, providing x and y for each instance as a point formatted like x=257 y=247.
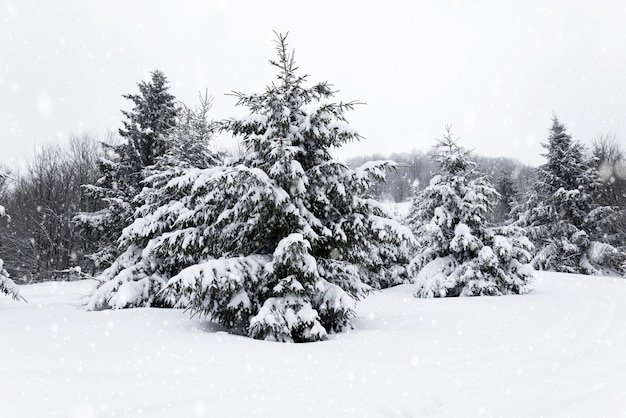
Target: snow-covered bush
x=7 y=286
x=572 y=232
x=458 y=254
x=290 y=237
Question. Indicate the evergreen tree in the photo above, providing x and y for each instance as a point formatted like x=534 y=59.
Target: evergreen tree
x=290 y=236
x=144 y=138
x=146 y=260
x=570 y=229
x=609 y=161
x=458 y=254
x=7 y=286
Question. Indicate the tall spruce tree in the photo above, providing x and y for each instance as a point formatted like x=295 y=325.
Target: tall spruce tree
x=570 y=229
x=146 y=260
x=290 y=236
x=144 y=136
x=458 y=253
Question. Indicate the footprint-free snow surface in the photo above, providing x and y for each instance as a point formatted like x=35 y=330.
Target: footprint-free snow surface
x=560 y=351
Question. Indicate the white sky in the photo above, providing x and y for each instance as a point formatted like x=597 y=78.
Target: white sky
x=495 y=70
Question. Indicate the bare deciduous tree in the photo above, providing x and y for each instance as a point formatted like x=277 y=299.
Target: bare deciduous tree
x=39 y=240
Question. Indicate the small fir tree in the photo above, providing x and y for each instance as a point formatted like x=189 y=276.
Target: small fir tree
x=571 y=230
x=144 y=136
x=290 y=236
x=458 y=254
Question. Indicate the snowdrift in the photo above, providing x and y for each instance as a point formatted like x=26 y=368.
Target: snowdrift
x=556 y=352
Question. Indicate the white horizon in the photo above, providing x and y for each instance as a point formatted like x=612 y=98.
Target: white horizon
x=495 y=72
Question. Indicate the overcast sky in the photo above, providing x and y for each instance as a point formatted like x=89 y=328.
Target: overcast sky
x=495 y=70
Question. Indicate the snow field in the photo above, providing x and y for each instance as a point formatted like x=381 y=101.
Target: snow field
x=556 y=352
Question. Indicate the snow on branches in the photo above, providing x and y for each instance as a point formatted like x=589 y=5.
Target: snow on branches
x=572 y=231
x=7 y=286
x=458 y=253
x=278 y=244
x=287 y=199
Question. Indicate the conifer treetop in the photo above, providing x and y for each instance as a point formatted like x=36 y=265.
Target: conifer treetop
x=565 y=163
x=153 y=116
x=301 y=119
x=451 y=157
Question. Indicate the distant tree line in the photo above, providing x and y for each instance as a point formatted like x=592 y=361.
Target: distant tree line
x=416 y=168
x=511 y=178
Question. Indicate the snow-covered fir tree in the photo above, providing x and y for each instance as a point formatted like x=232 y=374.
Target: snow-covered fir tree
x=7 y=286
x=458 y=254
x=144 y=138
x=147 y=260
x=572 y=232
x=291 y=238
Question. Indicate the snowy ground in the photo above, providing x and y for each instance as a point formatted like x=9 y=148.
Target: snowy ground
x=557 y=352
